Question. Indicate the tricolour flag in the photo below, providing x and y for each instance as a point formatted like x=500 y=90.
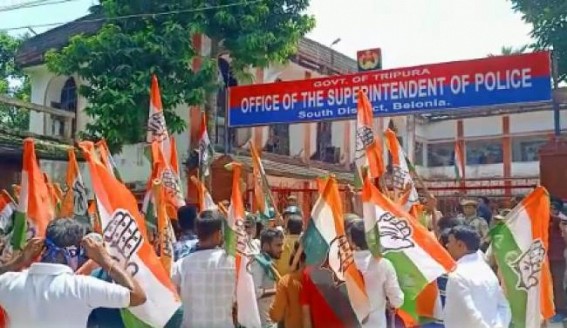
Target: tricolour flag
x=125 y=234
x=205 y=199
x=459 y=162
x=75 y=201
x=325 y=244
x=520 y=246
x=35 y=207
x=163 y=170
x=401 y=170
x=7 y=209
x=368 y=153
x=262 y=194
x=235 y=243
x=105 y=157
x=56 y=195
x=165 y=235
x=416 y=255
x=157 y=128
x=206 y=151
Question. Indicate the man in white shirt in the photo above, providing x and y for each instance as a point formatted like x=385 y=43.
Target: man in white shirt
x=206 y=278
x=49 y=294
x=380 y=278
x=474 y=298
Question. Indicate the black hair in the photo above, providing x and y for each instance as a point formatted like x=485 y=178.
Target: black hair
x=65 y=232
x=468 y=235
x=444 y=237
x=448 y=222
x=484 y=199
x=557 y=202
x=357 y=234
x=208 y=223
x=259 y=228
x=294 y=224
x=267 y=236
x=302 y=258
x=349 y=218
x=186 y=216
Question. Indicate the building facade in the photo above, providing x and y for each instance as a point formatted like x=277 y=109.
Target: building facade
x=501 y=146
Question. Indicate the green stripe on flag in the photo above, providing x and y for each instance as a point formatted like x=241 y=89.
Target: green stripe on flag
x=506 y=250
x=411 y=280
x=19 y=232
x=373 y=241
x=230 y=239
x=131 y=321
x=315 y=246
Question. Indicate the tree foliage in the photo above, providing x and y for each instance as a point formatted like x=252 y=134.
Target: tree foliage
x=507 y=51
x=549 y=20
x=13 y=83
x=117 y=62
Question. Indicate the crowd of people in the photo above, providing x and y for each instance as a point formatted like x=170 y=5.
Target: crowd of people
x=39 y=286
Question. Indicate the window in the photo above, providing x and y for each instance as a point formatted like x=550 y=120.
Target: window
x=278 y=141
x=418 y=153
x=325 y=150
x=69 y=96
x=525 y=149
x=67 y=102
x=484 y=151
x=441 y=154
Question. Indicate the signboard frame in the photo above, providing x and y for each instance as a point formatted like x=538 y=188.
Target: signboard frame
x=548 y=97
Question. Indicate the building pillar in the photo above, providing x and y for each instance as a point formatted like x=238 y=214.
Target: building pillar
x=307 y=131
x=346 y=141
x=194 y=122
x=461 y=141
x=257 y=132
x=507 y=155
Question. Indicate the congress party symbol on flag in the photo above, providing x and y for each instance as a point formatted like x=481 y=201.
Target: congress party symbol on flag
x=368 y=154
x=157 y=130
x=75 y=201
x=325 y=242
x=401 y=175
x=416 y=255
x=124 y=232
x=520 y=246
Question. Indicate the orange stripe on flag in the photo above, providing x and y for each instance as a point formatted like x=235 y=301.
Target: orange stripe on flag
x=113 y=195
x=539 y=213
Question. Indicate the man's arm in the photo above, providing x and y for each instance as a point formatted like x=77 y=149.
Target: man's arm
x=95 y=251
x=392 y=287
x=279 y=306
x=459 y=306
x=31 y=251
x=306 y=316
x=504 y=312
x=257 y=275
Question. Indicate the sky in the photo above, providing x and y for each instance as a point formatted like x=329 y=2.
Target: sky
x=409 y=32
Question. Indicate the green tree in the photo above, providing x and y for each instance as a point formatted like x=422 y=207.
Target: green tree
x=117 y=61
x=13 y=83
x=548 y=18
x=507 y=51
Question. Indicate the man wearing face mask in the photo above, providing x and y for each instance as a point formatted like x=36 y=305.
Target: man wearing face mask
x=49 y=294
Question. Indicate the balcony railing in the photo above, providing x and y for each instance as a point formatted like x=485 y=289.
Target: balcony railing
x=15 y=106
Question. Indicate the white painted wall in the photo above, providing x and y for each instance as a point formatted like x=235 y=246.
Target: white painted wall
x=132 y=164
